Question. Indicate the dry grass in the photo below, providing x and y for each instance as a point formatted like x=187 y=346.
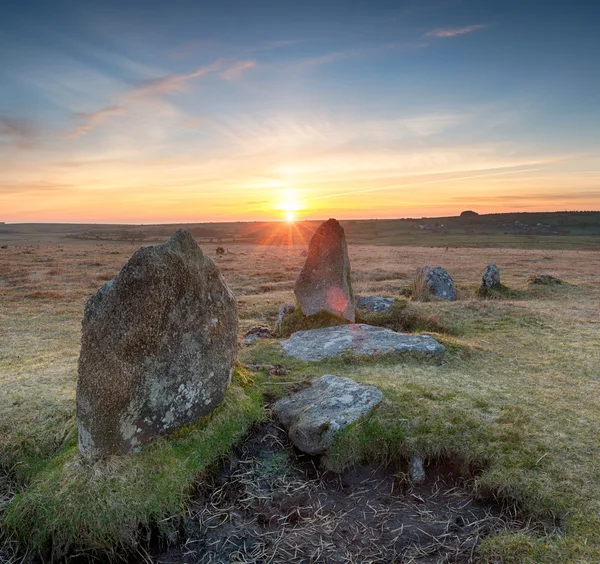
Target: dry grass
x=525 y=400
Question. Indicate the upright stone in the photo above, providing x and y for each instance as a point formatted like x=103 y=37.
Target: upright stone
x=158 y=347
x=324 y=283
x=438 y=283
x=491 y=277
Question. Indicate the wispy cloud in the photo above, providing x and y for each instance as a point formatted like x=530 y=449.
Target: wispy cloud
x=19 y=132
x=358 y=54
x=235 y=71
x=155 y=88
x=584 y=195
x=90 y=120
x=453 y=32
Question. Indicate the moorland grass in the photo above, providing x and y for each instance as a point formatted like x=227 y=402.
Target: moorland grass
x=516 y=396
x=73 y=504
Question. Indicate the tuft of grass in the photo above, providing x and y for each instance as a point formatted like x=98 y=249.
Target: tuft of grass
x=545 y=280
x=420 y=289
x=499 y=292
x=297 y=321
x=76 y=505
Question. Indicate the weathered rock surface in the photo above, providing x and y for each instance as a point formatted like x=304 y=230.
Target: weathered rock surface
x=158 y=347
x=315 y=414
x=491 y=277
x=359 y=339
x=284 y=311
x=376 y=304
x=439 y=282
x=257 y=332
x=324 y=283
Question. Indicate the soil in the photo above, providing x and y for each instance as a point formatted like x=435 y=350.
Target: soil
x=270 y=503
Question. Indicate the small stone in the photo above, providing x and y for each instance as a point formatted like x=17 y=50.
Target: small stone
x=359 y=339
x=324 y=284
x=377 y=304
x=257 y=332
x=315 y=414
x=438 y=283
x=249 y=339
x=416 y=470
x=491 y=277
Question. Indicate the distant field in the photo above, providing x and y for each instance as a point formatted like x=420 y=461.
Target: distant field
x=517 y=395
x=568 y=230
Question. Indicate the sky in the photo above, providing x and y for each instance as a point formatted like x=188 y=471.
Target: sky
x=185 y=111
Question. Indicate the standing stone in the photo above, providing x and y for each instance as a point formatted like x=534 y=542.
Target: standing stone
x=438 y=283
x=158 y=347
x=491 y=277
x=324 y=283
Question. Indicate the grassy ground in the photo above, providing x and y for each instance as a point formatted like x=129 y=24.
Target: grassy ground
x=516 y=396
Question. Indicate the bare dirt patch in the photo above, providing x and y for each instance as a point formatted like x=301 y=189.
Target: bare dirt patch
x=271 y=503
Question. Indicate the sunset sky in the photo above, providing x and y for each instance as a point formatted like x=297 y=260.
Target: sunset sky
x=147 y=111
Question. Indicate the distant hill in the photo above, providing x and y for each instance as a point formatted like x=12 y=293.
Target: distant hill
x=519 y=230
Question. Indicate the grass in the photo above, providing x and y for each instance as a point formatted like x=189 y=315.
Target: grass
x=297 y=321
x=517 y=395
x=75 y=505
x=405 y=316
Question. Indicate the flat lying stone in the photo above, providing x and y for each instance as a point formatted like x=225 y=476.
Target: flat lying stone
x=378 y=304
x=315 y=414
x=360 y=339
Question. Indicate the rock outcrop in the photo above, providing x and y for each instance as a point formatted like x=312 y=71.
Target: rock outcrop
x=359 y=339
x=491 y=277
x=158 y=347
x=437 y=282
x=315 y=414
x=324 y=283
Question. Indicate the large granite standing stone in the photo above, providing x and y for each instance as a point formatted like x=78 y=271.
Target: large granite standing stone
x=439 y=283
x=158 y=347
x=315 y=414
x=324 y=283
x=491 y=277
x=359 y=339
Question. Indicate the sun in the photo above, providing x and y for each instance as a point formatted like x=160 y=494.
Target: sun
x=289 y=205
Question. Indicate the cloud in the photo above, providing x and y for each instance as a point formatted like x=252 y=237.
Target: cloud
x=92 y=120
x=155 y=88
x=358 y=54
x=32 y=187
x=16 y=131
x=455 y=31
x=236 y=71
x=585 y=195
